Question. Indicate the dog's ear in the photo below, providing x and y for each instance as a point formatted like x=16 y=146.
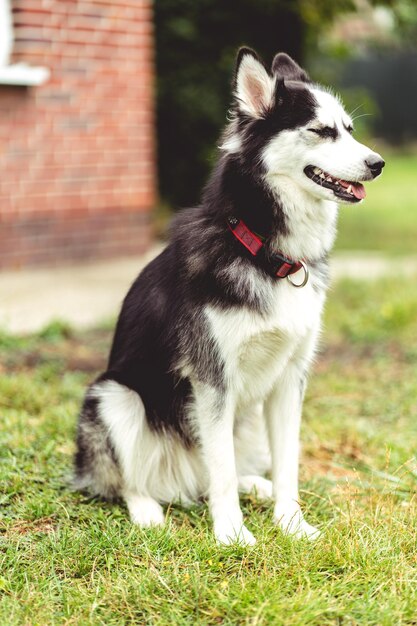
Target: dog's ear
x=253 y=86
x=283 y=66
x=281 y=95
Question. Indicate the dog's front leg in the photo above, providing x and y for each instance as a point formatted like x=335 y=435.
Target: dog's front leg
x=283 y=415
x=214 y=420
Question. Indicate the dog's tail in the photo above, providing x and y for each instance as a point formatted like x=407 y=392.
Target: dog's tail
x=96 y=469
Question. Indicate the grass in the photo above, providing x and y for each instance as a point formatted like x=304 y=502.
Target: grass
x=386 y=220
x=67 y=559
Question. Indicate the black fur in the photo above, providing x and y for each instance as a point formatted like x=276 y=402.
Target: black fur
x=95 y=459
x=83 y=454
x=326 y=132
x=285 y=67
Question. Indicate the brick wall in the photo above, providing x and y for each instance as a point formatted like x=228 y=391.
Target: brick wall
x=77 y=166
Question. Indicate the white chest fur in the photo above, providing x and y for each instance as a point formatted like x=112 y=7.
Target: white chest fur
x=255 y=347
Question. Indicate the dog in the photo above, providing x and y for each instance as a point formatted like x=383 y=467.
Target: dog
x=205 y=381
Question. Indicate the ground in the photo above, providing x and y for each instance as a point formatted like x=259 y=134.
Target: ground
x=68 y=559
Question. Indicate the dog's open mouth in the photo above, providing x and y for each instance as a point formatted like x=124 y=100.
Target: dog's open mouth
x=344 y=189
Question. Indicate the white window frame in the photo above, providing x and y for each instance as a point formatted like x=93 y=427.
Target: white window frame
x=17 y=73
x=6 y=32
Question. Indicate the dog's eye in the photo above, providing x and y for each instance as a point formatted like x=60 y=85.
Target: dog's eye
x=349 y=128
x=325 y=131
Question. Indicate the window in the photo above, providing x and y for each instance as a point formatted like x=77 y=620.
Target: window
x=6 y=32
x=18 y=73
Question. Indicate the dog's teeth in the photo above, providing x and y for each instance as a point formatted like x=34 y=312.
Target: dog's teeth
x=322 y=175
x=316 y=170
x=336 y=182
x=349 y=189
x=329 y=179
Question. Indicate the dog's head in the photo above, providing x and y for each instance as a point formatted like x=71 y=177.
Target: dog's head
x=286 y=128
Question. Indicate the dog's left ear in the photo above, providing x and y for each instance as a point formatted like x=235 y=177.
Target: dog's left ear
x=285 y=67
x=253 y=86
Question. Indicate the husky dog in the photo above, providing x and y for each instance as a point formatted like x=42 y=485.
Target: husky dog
x=206 y=376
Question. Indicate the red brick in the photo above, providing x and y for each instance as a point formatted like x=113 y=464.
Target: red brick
x=77 y=154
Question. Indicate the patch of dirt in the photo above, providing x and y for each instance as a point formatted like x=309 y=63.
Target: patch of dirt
x=321 y=461
x=347 y=353
x=44 y=525
x=318 y=467
x=86 y=352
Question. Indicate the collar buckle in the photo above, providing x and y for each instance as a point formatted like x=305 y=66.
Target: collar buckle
x=283 y=266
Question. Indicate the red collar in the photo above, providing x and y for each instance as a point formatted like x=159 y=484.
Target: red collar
x=277 y=264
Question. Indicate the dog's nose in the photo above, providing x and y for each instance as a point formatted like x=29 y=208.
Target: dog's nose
x=375 y=164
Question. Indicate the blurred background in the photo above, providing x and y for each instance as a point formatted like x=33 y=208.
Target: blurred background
x=110 y=113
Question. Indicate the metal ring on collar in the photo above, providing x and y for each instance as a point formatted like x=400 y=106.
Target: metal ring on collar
x=306 y=276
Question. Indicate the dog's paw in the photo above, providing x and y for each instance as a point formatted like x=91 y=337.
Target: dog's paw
x=243 y=537
x=228 y=534
x=261 y=486
x=145 y=512
x=291 y=520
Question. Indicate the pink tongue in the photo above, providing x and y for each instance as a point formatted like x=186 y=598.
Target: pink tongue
x=358 y=191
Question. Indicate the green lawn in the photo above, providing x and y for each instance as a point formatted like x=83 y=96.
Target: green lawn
x=65 y=559
x=386 y=221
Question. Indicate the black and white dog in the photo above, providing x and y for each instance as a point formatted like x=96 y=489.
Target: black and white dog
x=207 y=371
